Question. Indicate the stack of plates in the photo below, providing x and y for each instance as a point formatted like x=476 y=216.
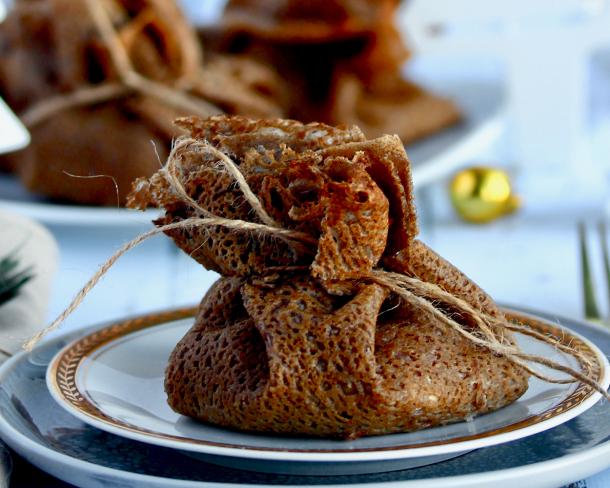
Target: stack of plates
x=89 y=408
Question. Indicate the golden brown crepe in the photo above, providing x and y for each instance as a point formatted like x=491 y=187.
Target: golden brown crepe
x=294 y=339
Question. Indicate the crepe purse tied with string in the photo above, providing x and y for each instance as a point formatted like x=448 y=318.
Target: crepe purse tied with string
x=75 y=69
x=330 y=317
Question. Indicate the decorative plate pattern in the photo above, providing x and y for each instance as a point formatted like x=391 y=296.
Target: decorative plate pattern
x=65 y=370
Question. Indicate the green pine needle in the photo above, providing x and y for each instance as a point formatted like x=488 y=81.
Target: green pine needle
x=11 y=280
x=591 y=309
x=603 y=232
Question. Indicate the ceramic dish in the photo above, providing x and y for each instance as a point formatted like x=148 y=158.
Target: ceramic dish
x=16 y=199
x=432 y=158
x=59 y=443
x=113 y=380
x=13 y=135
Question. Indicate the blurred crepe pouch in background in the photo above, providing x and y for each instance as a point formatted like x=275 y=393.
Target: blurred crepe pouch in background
x=127 y=71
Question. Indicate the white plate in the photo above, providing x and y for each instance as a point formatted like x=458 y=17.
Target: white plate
x=13 y=135
x=112 y=379
x=15 y=199
x=49 y=437
x=431 y=159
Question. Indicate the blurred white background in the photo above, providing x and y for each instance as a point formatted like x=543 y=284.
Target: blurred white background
x=553 y=55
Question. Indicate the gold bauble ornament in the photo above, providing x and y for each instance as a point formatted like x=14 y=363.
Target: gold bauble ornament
x=481 y=194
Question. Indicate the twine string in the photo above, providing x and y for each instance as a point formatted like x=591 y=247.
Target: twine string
x=413 y=291
x=170 y=172
x=130 y=81
x=95 y=177
x=233 y=224
x=510 y=352
x=521 y=329
x=117 y=51
x=131 y=78
x=234 y=171
x=83 y=96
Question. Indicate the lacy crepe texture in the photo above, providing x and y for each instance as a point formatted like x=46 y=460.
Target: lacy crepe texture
x=317 y=350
